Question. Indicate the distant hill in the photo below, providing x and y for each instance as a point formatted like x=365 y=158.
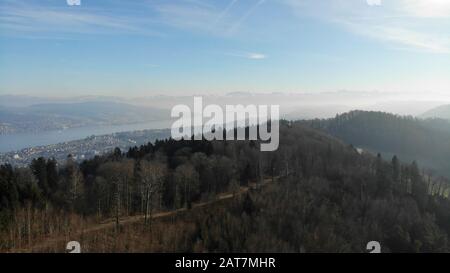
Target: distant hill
x=100 y=111
x=442 y=112
x=427 y=141
x=55 y=116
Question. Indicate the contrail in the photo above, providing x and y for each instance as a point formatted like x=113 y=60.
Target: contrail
x=245 y=16
x=225 y=11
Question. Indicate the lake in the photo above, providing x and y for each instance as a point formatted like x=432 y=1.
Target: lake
x=15 y=142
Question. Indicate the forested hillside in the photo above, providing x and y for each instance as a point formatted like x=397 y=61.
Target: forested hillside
x=442 y=112
x=426 y=141
x=321 y=196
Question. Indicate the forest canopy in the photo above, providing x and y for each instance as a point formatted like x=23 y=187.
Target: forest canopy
x=315 y=194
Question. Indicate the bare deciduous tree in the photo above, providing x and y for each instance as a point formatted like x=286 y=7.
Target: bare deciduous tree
x=151 y=175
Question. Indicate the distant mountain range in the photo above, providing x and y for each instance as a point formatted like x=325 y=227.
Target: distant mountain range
x=58 y=115
x=442 y=112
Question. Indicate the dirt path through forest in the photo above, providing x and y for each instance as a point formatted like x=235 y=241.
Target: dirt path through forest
x=110 y=223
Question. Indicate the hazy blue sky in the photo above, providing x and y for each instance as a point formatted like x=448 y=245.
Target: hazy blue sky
x=147 y=47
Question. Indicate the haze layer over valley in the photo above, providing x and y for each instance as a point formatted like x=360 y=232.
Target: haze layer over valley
x=20 y=114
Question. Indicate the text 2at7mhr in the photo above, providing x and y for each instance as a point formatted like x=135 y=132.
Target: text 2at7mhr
x=226 y=263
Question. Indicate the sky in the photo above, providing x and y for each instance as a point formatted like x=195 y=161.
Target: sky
x=172 y=47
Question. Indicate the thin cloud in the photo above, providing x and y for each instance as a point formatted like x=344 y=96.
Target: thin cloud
x=420 y=25
x=426 y=8
x=403 y=38
x=32 y=19
x=248 y=55
x=196 y=17
x=256 y=56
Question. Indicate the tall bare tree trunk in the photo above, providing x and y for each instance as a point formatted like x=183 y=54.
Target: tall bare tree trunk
x=29 y=223
x=150 y=214
x=160 y=200
x=98 y=210
x=147 y=205
x=117 y=208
